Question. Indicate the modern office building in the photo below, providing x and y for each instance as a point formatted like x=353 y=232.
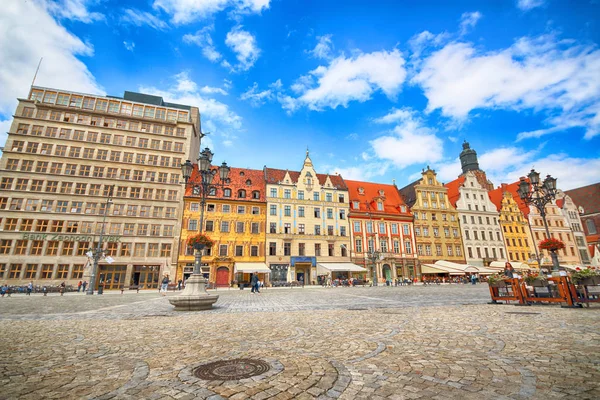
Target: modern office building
x=67 y=153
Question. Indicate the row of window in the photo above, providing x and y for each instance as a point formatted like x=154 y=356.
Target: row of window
x=225 y=226
x=81 y=188
x=89 y=208
x=513 y=242
x=542 y=235
x=434 y=205
x=383 y=246
x=479 y=220
x=87 y=154
x=85 y=227
x=287 y=194
x=287 y=212
x=380 y=206
x=483 y=236
x=225 y=208
x=436 y=231
x=223 y=250
x=486 y=251
x=510 y=229
x=513 y=218
x=425 y=250
x=301 y=249
x=287 y=229
x=382 y=229
x=540 y=222
x=241 y=193
x=64 y=248
x=41 y=271
x=105 y=105
x=434 y=217
x=95 y=137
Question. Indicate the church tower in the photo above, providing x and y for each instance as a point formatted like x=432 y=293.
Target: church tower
x=468 y=159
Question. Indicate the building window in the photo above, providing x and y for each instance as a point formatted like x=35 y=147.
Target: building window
x=358 y=245
x=225 y=226
x=287 y=211
x=300 y=212
x=301 y=249
x=273 y=209
x=272 y=248
x=287 y=249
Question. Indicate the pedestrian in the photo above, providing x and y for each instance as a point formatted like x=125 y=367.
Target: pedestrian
x=3 y=290
x=45 y=290
x=79 y=286
x=329 y=280
x=179 y=282
x=508 y=270
x=29 y=288
x=83 y=285
x=254 y=283
x=473 y=279
x=164 y=284
x=62 y=288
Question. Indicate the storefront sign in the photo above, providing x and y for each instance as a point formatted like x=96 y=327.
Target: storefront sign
x=311 y=260
x=279 y=267
x=68 y=238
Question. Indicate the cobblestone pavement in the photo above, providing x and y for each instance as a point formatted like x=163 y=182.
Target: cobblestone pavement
x=441 y=342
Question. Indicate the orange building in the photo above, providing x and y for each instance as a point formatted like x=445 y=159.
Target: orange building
x=235 y=219
x=381 y=221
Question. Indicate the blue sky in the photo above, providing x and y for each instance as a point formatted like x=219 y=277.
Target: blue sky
x=377 y=90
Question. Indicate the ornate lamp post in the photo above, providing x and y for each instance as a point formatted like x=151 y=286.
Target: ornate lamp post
x=194 y=296
x=98 y=252
x=540 y=194
x=374 y=256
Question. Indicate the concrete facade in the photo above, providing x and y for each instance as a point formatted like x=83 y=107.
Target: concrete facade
x=65 y=153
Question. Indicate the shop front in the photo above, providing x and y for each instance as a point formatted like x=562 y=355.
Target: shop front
x=340 y=270
x=304 y=270
x=279 y=274
x=245 y=270
x=112 y=276
x=145 y=276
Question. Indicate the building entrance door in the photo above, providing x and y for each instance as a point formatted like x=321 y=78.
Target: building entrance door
x=222 y=276
x=112 y=276
x=387 y=272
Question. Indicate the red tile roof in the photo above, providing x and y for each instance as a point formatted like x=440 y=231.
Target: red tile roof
x=496 y=196
x=368 y=193
x=513 y=188
x=560 y=203
x=587 y=197
x=277 y=175
x=453 y=193
x=250 y=180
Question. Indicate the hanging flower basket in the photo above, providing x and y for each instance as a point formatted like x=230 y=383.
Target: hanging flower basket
x=200 y=241
x=551 y=244
x=586 y=276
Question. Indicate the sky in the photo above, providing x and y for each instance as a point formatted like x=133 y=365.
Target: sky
x=375 y=90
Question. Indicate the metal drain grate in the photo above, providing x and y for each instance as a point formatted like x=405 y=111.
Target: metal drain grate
x=229 y=370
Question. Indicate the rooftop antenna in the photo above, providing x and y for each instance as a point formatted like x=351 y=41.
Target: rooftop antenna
x=35 y=75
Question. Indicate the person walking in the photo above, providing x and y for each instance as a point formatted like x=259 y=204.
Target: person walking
x=179 y=282
x=79 y=286
x=164 y=285
x=62 y=288
x=508 y=270
x=3 y=290
x=254 y=283
x=84 y=285
x=29 y=288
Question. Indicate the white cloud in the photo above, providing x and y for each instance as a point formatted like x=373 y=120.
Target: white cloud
x=24 y=40
x=4 y=128
x=129 y=45
x=410 y=142
x=364 y=172
x=324 y=48
x=527 y=5
x=212 y=90
x=256 y=97
x=186 y=11
x=353 y=79
x=74 y=9
x=203 y=39
x=216 y=116
x=141 y=18
x=352 y=136
x=543 y=74
x=424 y=40
x=468 y=21
x=244 y=45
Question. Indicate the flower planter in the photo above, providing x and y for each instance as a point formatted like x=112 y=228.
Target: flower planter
x=591 y=281
x=539 y=283
x=498 y=284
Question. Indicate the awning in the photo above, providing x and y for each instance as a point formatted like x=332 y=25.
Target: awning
x=499 y=266
x=438 y=269
x=463 y=268
x=249 y=267
x=325 y=268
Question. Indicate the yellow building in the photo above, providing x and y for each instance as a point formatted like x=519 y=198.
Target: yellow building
x=235 y=219
x=437 y=230
x=517 y=236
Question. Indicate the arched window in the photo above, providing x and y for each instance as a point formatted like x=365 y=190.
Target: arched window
x=241 y=193
x=226 y=192
x=212 y=191
x=256 y=194
x=248 y=182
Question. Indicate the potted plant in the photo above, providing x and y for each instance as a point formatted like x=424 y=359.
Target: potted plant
x=200 y=241
x=536 y=280
x=496 y=280
x=551 y=244
x=586 y=277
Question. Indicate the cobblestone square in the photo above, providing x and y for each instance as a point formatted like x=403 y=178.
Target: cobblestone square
x=436 y=342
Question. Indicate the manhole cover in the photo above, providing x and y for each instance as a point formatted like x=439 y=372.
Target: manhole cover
x=229 y=370
x=523 y=313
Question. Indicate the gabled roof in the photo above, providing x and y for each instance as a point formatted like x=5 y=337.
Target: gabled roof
x=587 y=197
x=513 y=189
x=409 y=193
x=367 y=194
x=453 y=192
x=239 y=178
x=560 y=203
x=496 y=197
x=275 y=176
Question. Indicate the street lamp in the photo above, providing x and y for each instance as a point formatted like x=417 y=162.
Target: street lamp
x=374 y=256
x=540 y=194
x=98 y=252
x=194 y=296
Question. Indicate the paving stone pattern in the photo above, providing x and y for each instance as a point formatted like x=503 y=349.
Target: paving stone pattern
x=441 y=342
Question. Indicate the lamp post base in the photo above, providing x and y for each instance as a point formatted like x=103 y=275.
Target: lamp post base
x=194 y=297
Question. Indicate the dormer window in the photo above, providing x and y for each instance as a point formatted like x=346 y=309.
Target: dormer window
x=226 y=192
x=212 y=191
x=403 y=209
x=248 y=182
x=381 y=192
x=241 y=194
x=242 y=173
x=355 y=205
x=256 y=194
x=379 y=206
